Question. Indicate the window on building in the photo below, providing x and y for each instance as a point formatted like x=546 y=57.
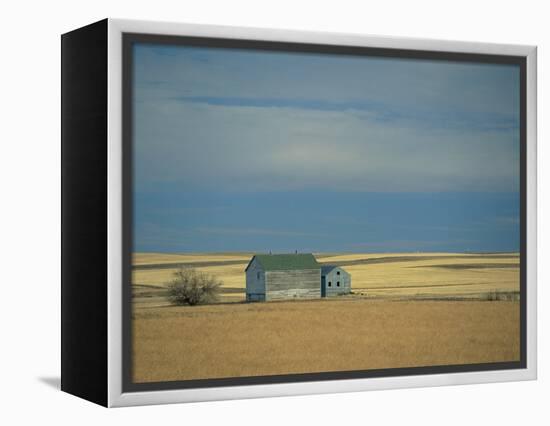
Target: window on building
x=337 y=272
x=337 y=283
x=330 y=283
x=257 y=275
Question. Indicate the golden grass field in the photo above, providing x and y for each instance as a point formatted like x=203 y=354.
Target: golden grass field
x=405 y=275
x=406 y=310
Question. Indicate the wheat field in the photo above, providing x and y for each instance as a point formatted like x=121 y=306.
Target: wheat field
x=385 y=275
x=406 y=310
x=183 y=343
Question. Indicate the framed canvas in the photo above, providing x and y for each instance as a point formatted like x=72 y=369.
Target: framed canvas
x=252 y=212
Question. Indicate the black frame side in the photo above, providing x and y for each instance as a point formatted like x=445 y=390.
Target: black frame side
x=129 y=39
x=84 y=212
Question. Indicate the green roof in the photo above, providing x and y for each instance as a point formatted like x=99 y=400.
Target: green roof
x=286 y=262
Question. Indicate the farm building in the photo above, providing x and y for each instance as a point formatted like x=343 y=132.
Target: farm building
x=334 y=281
x=293 y=276
x=282 y=276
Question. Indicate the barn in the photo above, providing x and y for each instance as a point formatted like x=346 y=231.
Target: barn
x=282 y=276
x=334 y=281
x=293 y=276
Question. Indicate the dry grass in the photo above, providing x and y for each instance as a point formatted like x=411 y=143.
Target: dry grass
x=435 y=277
x=228 y=340
x=404 y=312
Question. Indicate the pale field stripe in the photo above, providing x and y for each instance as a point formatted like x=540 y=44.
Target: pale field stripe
x=161 y=258
x=359 y=256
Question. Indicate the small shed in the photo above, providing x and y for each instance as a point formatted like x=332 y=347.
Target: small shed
x=282 y=276
x=334 y=281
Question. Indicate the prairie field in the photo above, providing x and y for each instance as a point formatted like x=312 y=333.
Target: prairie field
x=406 y=310
x=384 y=275
x=183 y=343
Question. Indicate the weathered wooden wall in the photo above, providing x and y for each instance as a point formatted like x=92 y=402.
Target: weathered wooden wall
x=255 y=287
x=299 y=284
x=345 y=282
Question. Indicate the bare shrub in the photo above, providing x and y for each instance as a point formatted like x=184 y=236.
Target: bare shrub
x=191 y=287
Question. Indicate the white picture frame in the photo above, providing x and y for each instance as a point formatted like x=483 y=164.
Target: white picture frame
x=116 y=395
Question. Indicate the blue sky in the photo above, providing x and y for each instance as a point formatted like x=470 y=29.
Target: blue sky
x=254 y=151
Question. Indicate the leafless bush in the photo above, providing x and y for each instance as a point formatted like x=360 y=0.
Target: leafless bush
x=191 y=287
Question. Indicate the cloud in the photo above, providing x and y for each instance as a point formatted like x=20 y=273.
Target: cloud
x=256 y=148
x=426 y=85
x=376 y=111
x=270 y=121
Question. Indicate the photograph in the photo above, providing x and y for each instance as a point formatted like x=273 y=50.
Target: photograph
x=301 y=212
